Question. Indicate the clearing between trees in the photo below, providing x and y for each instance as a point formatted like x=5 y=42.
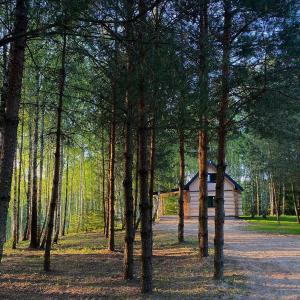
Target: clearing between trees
x=257 y=266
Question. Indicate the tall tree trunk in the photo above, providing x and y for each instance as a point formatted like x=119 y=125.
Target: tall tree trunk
x=129 y=226
x=136 y=191
x=34 y=243
x=55 y=185
x=42 y=139
x=222 y=133
x=145 y=205
x=15 y=209
x=80 y=208
x=43 y=233
x=103 y=181
x=181 y=187
x=202 y=156
x=111 y=193
x=152 y=166
x=14 y=87
x=59 y=202
x=203 y=133
x=66 y=198
x=19 y=223
x=129 y=221
x=29 y=185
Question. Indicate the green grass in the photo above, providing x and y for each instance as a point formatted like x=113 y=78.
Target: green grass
x=287 y=224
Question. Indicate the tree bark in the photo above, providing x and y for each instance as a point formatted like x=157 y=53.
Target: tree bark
x=202 y=156
x=34 y=243
x=222 y=134
x=66 y=199
x=136 y=191
x=3 y=98
x=152 y=166
x=42 y=139
x=203 y=132
x=19 y=223
x=27 y=228
x=57 y=161
x=129 y=225
x=4 y=89
x=145 y=205
x=15 y=209
x=103 y=182
x=181 y=187
x=59 y=202
x=15 y=76
x=111 y=199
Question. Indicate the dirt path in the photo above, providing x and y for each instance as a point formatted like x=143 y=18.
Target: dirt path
x=271 y=263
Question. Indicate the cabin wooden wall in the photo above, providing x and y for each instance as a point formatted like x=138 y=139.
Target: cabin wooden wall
x=232 y=198
x=232 y=204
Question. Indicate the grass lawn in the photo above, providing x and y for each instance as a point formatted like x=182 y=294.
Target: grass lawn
x=82 y=268
x=287 y=224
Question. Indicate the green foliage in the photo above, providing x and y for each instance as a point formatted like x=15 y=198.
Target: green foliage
x=171 y=205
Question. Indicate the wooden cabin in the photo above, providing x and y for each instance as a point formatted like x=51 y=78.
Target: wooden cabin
x=232 y=196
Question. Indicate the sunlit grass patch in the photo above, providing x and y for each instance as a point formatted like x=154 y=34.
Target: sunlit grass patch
x=286 y=224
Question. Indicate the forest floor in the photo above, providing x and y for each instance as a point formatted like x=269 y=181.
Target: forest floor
x=257 y=266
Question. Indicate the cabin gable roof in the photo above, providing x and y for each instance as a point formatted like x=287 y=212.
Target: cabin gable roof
x=228 y=177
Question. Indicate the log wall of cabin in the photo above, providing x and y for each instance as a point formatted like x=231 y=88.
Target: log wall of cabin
x=232 y=198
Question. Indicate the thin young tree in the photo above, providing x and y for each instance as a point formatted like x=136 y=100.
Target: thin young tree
x=57 y=161
x=66 y=198
x=34 y=240
x=27 y=227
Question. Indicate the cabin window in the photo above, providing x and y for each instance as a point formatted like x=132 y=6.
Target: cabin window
x=211 y=177
x=210 y=201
